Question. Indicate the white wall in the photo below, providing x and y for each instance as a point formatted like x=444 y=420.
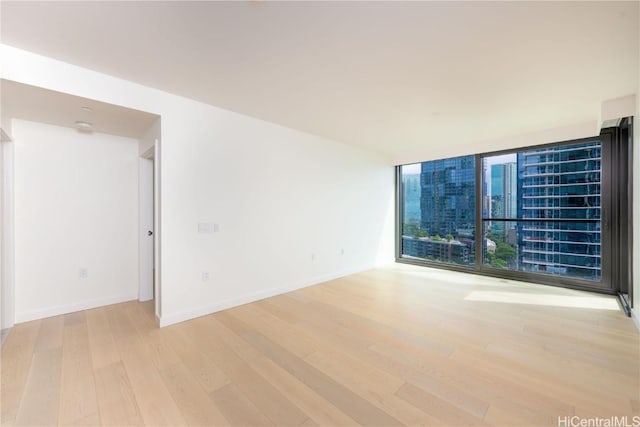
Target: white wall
x=150 y=136
x=76 y=206
x=278 y=195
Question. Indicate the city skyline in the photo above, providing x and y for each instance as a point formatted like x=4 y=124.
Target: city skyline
x=550 y=183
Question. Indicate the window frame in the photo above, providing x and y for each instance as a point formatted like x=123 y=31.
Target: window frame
x=608 y=243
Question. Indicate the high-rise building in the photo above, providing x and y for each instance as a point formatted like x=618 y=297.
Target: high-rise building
x=447 y=199
x=453 y=251
x=504 y=188
x=562 y=184
x=411 y=207
x=504 y=196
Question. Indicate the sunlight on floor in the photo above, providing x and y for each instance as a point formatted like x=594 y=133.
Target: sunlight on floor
x=595 y=302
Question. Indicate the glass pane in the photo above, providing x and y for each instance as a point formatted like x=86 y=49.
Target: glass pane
x=501 y=244
x=565 y=248
x=439 y=210
x=547 y=183
x=561 y=182
x=500 y=186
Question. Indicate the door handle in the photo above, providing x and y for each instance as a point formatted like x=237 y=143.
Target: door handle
x=149 y=233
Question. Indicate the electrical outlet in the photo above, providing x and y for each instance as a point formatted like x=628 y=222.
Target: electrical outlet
x=342 y=251
x=205 y=276
x=84 y=273
x=313 y=257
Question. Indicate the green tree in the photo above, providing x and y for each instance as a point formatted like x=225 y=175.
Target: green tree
x=504 y=251
x=500 y=263
x=413 y=230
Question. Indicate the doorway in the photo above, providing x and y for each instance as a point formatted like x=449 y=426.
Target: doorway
x=7 y=310
x=147 y=265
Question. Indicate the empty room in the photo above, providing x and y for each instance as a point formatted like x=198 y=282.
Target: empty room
x=320 y=213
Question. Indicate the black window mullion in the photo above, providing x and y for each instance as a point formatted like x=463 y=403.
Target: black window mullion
x=479 y=233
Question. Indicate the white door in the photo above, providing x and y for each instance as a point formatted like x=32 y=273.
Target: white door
x=7 y=291
x=146 y=230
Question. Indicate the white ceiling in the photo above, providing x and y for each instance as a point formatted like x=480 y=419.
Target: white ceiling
x=391 y=76
x=26 y=102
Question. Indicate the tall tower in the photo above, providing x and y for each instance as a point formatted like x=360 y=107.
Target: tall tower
x=504 y=194
x=447 y=199
x=411 y=187
x=504 y=190
x=560 y=183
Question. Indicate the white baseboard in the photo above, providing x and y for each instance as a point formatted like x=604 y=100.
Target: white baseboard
x=183 y=316
x=70 y=308
x=635 y=315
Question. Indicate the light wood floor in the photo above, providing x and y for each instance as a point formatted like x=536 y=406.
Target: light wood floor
x=387 y=347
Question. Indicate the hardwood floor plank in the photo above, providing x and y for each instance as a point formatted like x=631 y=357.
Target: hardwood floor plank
x=511 y=414
x=75 y=318
x=356 y=407
x=262 y=394
x=315 y=406
x=194 y=357
x=192 y=400
x=77 y=392
x=50 y=334
x=444 y=387
x=156 y=405
x=104 y=351
x=116 y=399
x=17 y=354
x=540 y=392
x=205 y=371
x=370 y=383
x=158 y=349
x=239 y=410
x=39 y=404
x=436 y=407
x=395 y=346
x=309 y=423
x=273 y=327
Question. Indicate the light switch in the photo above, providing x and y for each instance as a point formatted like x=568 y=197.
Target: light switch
x=205 y=227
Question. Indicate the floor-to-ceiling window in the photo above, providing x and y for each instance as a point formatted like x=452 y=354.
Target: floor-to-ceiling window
x=544 y=209
x=438 y=211
x=548 y=213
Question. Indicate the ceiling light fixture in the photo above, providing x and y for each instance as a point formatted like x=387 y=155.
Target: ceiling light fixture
x=84 y=125
x=87 y=109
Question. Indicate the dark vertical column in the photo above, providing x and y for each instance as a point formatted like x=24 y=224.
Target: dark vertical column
x=479 y=227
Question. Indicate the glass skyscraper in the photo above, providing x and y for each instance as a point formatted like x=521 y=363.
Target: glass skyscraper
x=442 y=197
x=411 y=187
x=562 y=184
x=504 y=187
x=447 y=200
